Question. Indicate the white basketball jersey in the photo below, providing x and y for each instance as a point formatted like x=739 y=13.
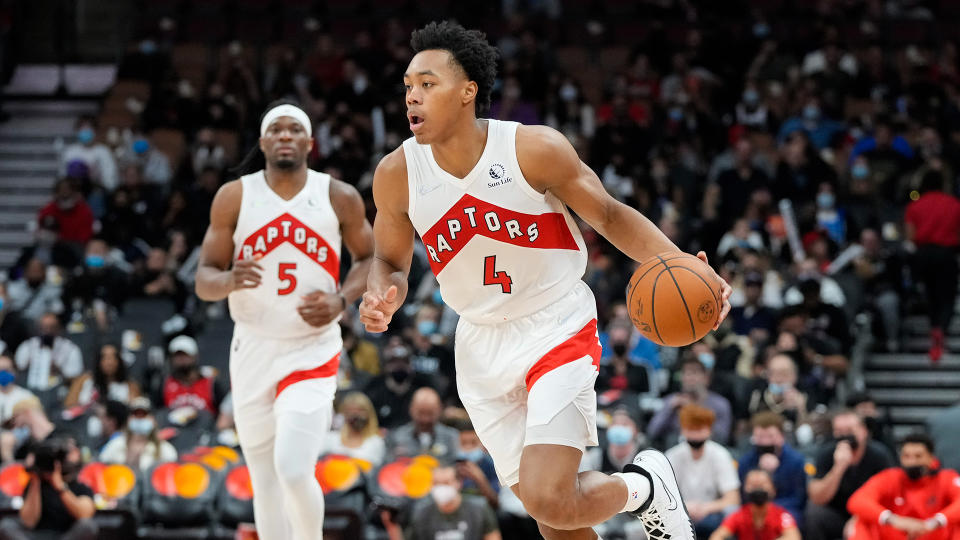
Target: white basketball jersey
x=499 y=248
x=297 y=242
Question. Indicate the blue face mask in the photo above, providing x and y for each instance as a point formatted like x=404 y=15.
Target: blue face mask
x=474 y=455
x=751 y=97
x=95 y=261
x=825 y=200
x=811 y=113
x=85 y=135
x=707 y=359
x=21 y=434
x=761 y=30
x=427 y=328
x=775 y=389
x=676 y=114
x=619 y=434
x=859 y=171
x=6 y=377
x=140 y=146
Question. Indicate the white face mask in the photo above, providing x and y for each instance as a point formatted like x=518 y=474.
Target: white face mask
x=443 y=494
x=140 y=426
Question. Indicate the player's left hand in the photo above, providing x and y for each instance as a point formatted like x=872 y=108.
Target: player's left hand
x=319 y=308
x=725 y=291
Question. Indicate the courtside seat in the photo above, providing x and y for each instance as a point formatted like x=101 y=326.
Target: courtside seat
x=178 y=495
x=235 y=500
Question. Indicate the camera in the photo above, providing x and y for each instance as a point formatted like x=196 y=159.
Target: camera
x=47 y=454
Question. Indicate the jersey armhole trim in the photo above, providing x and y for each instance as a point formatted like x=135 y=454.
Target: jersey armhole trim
x=525 y=186
x=411 y=181
x=244 y=180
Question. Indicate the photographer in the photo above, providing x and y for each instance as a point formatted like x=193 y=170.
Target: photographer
x=55 y=505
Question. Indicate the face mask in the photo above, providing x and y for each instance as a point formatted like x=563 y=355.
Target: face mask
x=825 y=200
x=183 y=370
x=765 y=449
x=6 y=377
x=68 y=468
x=148 y=47
x=776 y=389
x=66 y=204
x=761 y=30
x=427 y=328
x=619 y=349
x=758 y=497
x=94 y=427
x=915 y=472
x=140 y=146
x=707 y=359
x=474 y=455
x=21 y=434
x=811 y=113
x=851 y=440
x=676 y=114
x=85 y=135
x=751 y=97
x=140 y=426
x=568 y=92
x=873 y=424
x=357 y=423
x=696 y=444
x=443 y=495
x=859 y=171
x=399 y=376
x=619 y=435
x=46 y=340
x=94 y=261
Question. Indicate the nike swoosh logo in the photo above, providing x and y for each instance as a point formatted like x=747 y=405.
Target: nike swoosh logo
x=673 y=502
x=423 y=191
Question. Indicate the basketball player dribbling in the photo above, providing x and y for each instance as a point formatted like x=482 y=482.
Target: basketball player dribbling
x=273 y=249
x=489 y=199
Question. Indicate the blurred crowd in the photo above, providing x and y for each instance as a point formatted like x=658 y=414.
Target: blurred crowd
x=809 y=149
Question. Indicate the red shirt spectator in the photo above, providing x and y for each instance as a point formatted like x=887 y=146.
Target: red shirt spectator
x=72 y=213
x=935 y=219
x=777 y=520
x=914 y=500
x=186 y=386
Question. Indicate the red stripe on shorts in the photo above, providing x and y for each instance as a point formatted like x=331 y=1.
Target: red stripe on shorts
x=583 y=344
x=328 y=369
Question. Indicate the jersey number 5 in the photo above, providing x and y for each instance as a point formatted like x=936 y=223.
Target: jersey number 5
x=494 y=277
x=285 y=273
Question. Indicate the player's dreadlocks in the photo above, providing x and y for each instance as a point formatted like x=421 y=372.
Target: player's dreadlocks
x=469 y=49
x=255 y=160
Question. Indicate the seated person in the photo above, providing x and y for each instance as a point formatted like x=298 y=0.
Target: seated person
x=360 y=435
x=758 y=518
x=705 y=472
x=139 y=447
x=694 y=388
x=424 y=434
x=786 y=466
x=916 y=500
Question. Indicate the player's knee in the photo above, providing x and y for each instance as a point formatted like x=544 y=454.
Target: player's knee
x=292 y=471
x=550 y=508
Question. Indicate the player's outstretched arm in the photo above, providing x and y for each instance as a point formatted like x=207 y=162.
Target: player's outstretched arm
x=549 y=162
x=215 y=278
x=357 y=237
x=393 y=244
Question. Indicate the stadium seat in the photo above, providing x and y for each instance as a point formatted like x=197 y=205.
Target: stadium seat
x=235 y=500
x=179 y=495
x=114 y=485
x=13 y=481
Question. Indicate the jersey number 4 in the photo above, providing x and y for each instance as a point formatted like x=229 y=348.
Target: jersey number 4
x=493 y=277
x=285 y=274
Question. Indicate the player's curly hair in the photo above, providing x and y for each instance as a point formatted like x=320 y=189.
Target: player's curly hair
x=469 y=49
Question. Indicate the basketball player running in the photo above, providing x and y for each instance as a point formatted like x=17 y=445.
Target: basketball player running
x=273 y=249
x=489 y=199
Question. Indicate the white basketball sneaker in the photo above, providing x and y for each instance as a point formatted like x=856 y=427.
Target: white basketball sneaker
x=664 y=515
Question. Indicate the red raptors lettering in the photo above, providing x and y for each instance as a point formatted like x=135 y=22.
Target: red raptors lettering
x=287 y=228
x=470 y=217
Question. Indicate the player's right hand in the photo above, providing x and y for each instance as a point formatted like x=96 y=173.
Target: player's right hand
x=245 y=274
x=376 y=310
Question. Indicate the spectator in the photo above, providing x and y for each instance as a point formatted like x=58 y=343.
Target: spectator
x=841 y=468
x=753 y=318
x=758 y=518
x=785 y=465
x=47 y=358
x=738 y=183
x=159 y=280
x=820 y=129
x=207 y=153
x=878 y=422
x=705 y=471
x=694 y=384
x=100 y=288
x=933 y=224
x=71 y=212
x=110 y=422
x=359 y=437
x=153 y=163
x=30 y=426
x=780 y=394
x=475 y=466
x=917 y=499
x=799 y=163
x=447 y=514
x=139 y=447
x=55 y=505
x=109 y=381
x=13 y=329
x=424 y=434
x=825 y=321
x=621 y=372
x=186 y=386
x=391 y=391
x=96 y=156
x=11 y=393
x=623 y=441
x=48 y=247
x=33 y=294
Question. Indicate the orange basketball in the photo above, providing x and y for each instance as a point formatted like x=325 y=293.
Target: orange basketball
x=674 y=299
